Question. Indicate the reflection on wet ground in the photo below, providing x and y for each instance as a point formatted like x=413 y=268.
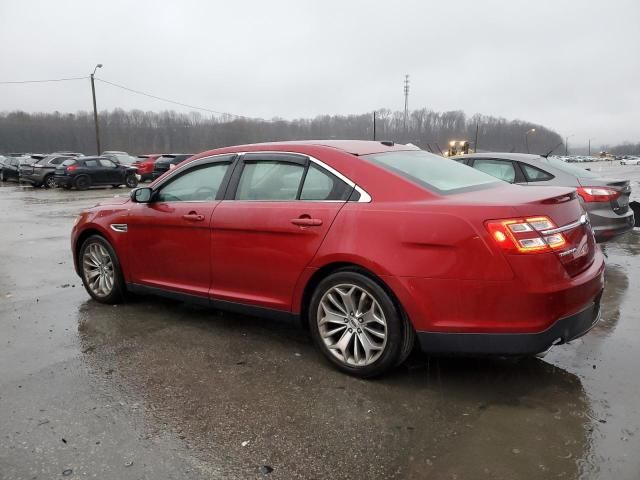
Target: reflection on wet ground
x=158 y=389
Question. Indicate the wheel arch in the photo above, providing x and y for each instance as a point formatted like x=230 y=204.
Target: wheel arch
x=82 y=236
x=329 y=268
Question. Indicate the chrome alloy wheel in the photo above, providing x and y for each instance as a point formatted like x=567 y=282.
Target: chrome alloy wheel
x=98 y=269
x=352 y=325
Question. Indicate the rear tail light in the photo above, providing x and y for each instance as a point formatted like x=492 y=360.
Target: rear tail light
x=598 y=194
x=525 y=235
x=72 y=168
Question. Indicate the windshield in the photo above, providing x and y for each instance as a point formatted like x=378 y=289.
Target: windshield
x=431 y=171
x=571 y=169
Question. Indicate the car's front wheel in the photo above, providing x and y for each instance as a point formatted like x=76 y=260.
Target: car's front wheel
x=100 y=270
x=357 y=325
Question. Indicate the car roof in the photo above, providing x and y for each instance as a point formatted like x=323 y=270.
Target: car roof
x=354 y=147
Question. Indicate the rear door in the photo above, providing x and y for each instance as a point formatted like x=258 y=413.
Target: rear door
x=276 y=213
x=170 y=237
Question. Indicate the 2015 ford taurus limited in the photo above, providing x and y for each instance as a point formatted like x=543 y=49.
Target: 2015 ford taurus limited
x=373 y=245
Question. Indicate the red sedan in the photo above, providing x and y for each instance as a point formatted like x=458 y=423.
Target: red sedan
x=371 y=244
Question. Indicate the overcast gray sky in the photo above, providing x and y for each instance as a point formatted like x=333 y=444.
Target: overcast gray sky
x=571 y=65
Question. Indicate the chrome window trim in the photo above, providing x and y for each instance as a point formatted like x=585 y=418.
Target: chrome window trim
x=581 y=221
x=364 y=196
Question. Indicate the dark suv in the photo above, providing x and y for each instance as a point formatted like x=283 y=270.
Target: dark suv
x=85 y=172
x=42 y=171
x=163 y=164
x=9 y=169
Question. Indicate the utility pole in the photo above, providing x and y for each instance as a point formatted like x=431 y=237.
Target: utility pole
x=475 y=144
x=406 y=105
x=374 y=125
x=566 y=146
x=95 y=108
x=589 y=147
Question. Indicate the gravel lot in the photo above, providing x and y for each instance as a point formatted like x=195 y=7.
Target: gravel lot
x=162 y=390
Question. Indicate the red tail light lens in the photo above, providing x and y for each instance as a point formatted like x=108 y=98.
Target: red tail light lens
x=72 y=168
x=525 y=235
x=598 y=194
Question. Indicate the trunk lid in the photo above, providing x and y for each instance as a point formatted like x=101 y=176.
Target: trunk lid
x=561 y=205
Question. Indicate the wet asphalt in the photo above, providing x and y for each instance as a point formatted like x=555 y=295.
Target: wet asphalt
x=162 y=390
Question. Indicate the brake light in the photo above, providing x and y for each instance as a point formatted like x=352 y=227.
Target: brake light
x=525 y=235
x=72 y=168
x=598 y=194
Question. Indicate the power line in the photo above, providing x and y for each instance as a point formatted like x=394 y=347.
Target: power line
x=172 y=101
x=43 y=81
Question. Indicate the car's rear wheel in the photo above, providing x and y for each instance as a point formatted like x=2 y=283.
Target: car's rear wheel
x=82 y=182
x=49 y=182
x=131 y=181
x=100 y=270
x=357 y=325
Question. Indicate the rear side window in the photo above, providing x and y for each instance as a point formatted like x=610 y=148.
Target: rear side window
x=436 y=173
x=534 y=174
x=322 y=185
x=91 y=163
x=503 y=170
x=270 y=180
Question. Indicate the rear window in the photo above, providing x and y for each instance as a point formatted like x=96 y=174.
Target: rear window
x=66 y=163
x=431 y=171
x=571 y=169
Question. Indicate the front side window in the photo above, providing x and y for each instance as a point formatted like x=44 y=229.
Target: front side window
x=431 y=171
x=270 y=180
x=504 y=170
x=322 y=185
x=198 y=184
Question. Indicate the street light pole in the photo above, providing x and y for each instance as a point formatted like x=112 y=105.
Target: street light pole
x=526 y=137
x=95 y=108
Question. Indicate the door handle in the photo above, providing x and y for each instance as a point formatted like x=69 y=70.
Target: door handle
x=307 y=222
x=193 y=217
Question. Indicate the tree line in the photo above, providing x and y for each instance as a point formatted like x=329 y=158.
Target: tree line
x=139 y=132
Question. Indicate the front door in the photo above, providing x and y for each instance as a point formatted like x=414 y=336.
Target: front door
x=277 y=211
x=170 y=237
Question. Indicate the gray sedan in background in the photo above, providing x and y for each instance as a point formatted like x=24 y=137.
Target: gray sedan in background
x=606 y=200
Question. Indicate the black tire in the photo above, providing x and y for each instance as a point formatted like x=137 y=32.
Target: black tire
x=396 y=344
x=117 y=293
x=131 y=181
x=49 y=181
x=82 y=182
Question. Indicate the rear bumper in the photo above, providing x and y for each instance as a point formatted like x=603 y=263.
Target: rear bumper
x=608 y=226
x=562 y=331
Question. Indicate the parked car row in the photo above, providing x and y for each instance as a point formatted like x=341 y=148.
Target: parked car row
x=111 y=168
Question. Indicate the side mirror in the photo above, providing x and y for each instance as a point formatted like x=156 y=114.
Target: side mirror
x=141 y=195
